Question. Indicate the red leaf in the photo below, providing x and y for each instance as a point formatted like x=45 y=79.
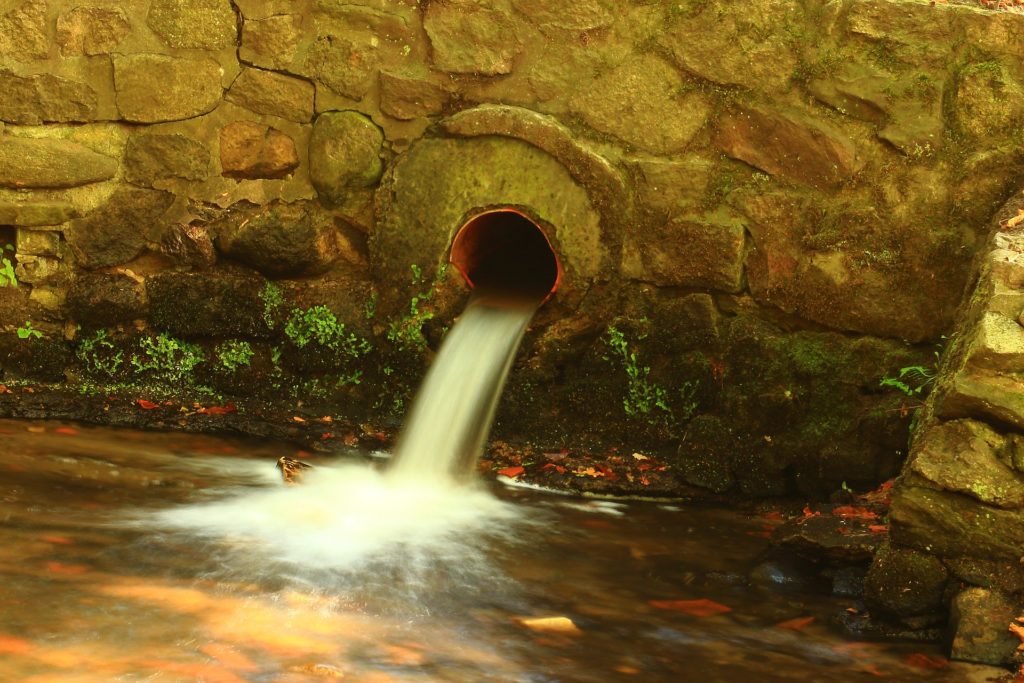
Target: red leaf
x=923 y=661
x=147 y=405
x=69 y=569
x=798 y=624
x=878 y=528
x=511 y=472
x=849 y=511
x=9 y=645
x=67 y=431
x=701 y=607
x=219 y=410
x=60 y=540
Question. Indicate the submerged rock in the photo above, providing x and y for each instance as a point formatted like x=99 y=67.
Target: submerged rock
x=979 y=624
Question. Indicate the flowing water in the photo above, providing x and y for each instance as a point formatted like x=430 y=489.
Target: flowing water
x=107 y=574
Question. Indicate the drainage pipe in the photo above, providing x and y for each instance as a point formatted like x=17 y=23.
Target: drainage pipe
x=505 y=252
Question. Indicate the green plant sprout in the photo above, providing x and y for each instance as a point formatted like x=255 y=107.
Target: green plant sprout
x=234 y=354
x=319 y=324
x=914 y=380
x=272 y=298
x=7 y=276
x=406 y=331
x=95 y=355
x=167 y=358
x=26 y=331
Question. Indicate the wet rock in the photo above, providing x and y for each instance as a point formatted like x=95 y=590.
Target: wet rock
x=963 y=456
x=268 y=92
x=189 y=245
x=91 y=30
x=207 y=304
x=467 y=37
x=915 y=25
x=23 y=31
x=734 y=44
x=49 y=163
x=828 y=537
x=584 y=15
x=44 y=98
x=790 y=574
x=38 y=242
x=281 y=240
x=905 y=583
x=1007 y=577
x=639 y=102
x=150 y=88
x=848 y=582
x=406 y=95
x=153 y=157
x=705 y=454
x=102 y=300
x=792 y=145
x=253 y=150
x=953 y=525
x=118 y=231
x=983 y=395
x=979 y=623
x=344 y=153
x=36 y=213
x=202 y=24
x=691 y=251
x=672 y=187
x=272 y=42
x=988 y=100
x=42 y=359
x=343 y=59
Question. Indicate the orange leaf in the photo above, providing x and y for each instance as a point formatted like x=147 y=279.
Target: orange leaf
x=798 y=624
x=701 y=607
x=848 y=511
x=878 y=528
x=69 y=569
x=147 y=405
x=67 y=431
x=10 y=645
x=296 y=418
x=219 y=410
x=511 y=472
x=923 y=661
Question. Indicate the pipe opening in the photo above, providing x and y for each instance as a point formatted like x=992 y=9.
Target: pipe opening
x=506 y=253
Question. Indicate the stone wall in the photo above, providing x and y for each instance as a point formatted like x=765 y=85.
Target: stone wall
x=772 y=205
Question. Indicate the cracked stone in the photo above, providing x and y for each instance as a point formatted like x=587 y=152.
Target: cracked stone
x=43 y=162
x=91 y=30
x=269 y=92
x=150 y=88
x=44 y=98
x=253 y=150
x=151 y=157
x=469 y=38
x=203 y=24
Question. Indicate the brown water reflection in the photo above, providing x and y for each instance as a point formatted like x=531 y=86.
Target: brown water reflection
x=84 y=598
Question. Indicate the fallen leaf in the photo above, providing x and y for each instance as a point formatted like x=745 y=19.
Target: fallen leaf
x=9 y=645
x=5 y=390
x=326 y=419
x=1011 y=223
x=701 y=607
x=798 y=624
x=68 y=569
x=296 y=418
x=146 y=405
x=550 y=624
x=923 y=661
x=350 y=439
x=851 y=512
x=1017 y=629
x=640 y=456
x=219 y=410
x=553 y=466
x=511 y=472
x=67 y=431
x=587 y=472
x=878 y=528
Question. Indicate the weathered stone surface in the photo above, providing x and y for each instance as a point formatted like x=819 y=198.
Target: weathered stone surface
x=204 y=24
x=735 y=44
x=953 y=525
x=264 y=9
x=792 y=145
x=671 y=186
x=467 y=37
x=406 y=96
x=979 y=624
x=189 y=245
x=207 y=304
x=856 y=90
x=344 y=60
x=988 y=100
x=150 y=88
x=585 y=15
x=915 y=24
x=997 y=344
x=344 y=153
x=707 y=468
x=118 y=231
x=986 y=396
x=904 y=583
x=280 y=240
x=39 y=270
x=963 y=456
x=91 y=30
x=38 y=242
x=998 y=33
x=253 y=150
x=43 y=98
x=23 y=34
x=152 y=157
x=639 y=103
x=101 y=300
x=44 y=162
x=271 y=43
x=36 y=213
x=690 y=251
x=268 y=92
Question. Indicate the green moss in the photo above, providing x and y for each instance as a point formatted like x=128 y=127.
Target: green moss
x=167 y=359
x=233 y=354
x=272 y=299
x=318 y=325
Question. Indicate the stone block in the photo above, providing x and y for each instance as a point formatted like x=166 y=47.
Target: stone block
x=118 y=231
x=38 y=242
x=153 y=157
x=36 y=213
x=50 y=163
x=253 y=150
x=38 y=270
x=988 y=102
x=197 y=24
x=44 y=98
x=103 y=300
x=997 y=345
x=671 y=186
x=640 y=103
x=23 y=31
x=979 y=624
x=269 y=92
x=468 y=37
x=705 y=251
x=984 y=395
x=789 y=144
x=583 y=15
x=150 y=88
x=271 y=42
x=344 y=153
x=407 y=96
x=91 y=30
x=904 y=583
x=206 y=304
